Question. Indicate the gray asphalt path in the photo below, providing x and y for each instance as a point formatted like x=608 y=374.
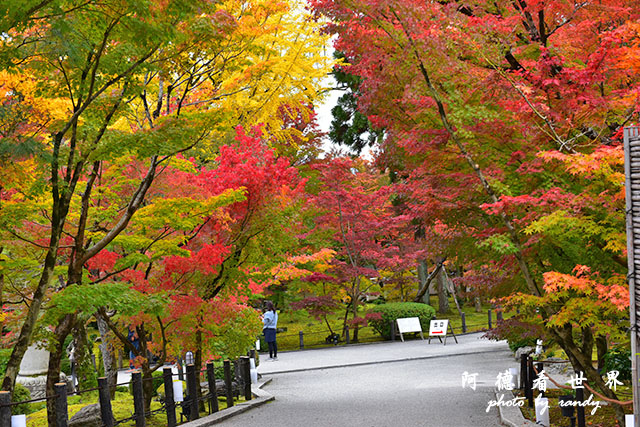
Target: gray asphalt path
x=407 y=392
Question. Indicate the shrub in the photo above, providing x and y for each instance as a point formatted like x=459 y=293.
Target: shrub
x=517 y=333
x=397 y=310
x=5 y=353
x=20 y=394
x=618 y=358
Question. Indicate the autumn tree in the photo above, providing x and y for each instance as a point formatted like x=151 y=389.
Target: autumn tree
x=470 y=95
x=125 y=97
x=366 y=234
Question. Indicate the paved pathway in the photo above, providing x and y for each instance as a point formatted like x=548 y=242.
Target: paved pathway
x=386 y=384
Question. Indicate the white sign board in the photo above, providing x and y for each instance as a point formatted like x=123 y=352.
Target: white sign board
x=409 y=324
x=438 y=327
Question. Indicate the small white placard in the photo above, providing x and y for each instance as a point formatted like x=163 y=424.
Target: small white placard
x=438 y=327
x=19 y=420
x=178 y=395
x=409 y=324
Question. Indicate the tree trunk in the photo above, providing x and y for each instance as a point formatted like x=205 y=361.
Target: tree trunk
x=108 y=356
x=581 y=361
x=443 y=298
x=20 y=347
x=452 y=286
x=423 y=272
x=197 y=360
x=601 y=349
x=147 y=385
x=53 y=374
x=354 y=338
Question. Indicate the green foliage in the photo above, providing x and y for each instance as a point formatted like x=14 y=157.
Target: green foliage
x=20 y=394
x=5 y=353
x=500 y=243
x=115 y=295
x=349 y=126
x=397 y=310
x=618 y=358
x=65 y=363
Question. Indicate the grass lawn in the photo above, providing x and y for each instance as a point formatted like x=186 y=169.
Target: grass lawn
x=315 y=331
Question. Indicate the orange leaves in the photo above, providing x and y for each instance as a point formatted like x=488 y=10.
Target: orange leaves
x=583 y=283
x=605 y=160
x=297 y=267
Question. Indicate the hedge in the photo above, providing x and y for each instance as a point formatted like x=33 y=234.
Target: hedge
x=398 y=310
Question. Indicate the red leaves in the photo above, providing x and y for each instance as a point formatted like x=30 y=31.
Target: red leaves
x=206 y=260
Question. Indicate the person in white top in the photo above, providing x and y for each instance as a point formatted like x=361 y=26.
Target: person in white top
x=270 y=321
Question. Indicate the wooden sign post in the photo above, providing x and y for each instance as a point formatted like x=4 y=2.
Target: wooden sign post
x=438 y=328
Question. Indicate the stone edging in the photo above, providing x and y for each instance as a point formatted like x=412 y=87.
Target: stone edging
x=511 y=416
x=261 y=397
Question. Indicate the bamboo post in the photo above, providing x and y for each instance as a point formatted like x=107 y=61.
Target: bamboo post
x=192 y=391
x=245 y=368
x=5 y=409
x=169 y=399
x=104 y=397
x=524 y=373
x=138 y=398
x=62 y=414
x=228 y=383
x=213 y=394
x=580 y=408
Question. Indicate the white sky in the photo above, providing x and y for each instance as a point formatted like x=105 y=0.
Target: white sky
x=324 y=121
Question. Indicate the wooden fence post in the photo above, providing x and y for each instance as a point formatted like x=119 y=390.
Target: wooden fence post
x=5 y=409
x=245 y=369
x=530 y=375
x=169 y=399
x=138 y=398
x=346 y=335
x=301 y=335
x=62 y=414
x=464 y=323
x=580 y=408
x=523 y=372
x=104 y=397
x=499 y=316
x=540 y=368
x=228 y=383
x=192 y=391
x=489 y=317
x=211 y=379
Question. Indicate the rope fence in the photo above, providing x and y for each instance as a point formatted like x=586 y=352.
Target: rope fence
x=237 y=382
x=531 y=369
